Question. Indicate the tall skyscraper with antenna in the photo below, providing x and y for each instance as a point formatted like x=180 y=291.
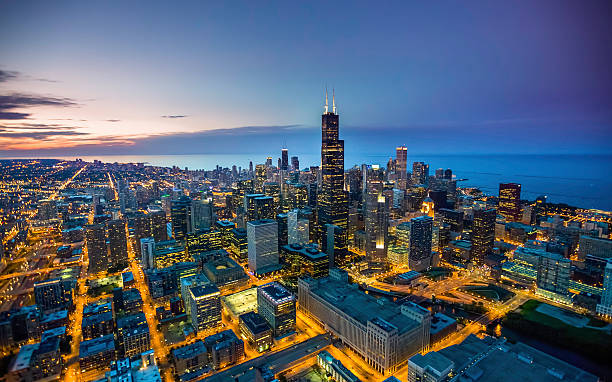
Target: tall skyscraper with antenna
x=332 y=200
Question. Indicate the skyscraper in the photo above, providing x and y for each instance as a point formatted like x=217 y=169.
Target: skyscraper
x=262 y=236
x=95 y=243
x=159 y=227
x=51 y=296
x=333 y=201
x=277 y=306
x=260 y=178
x=297 y=228
x=401 y=165
x=181 y=218
x=205 y=307
x=147 y=252
x=284 y=159
x=420 y=243
x=117 y=242
x=483 y=234
x=295 y=163
x=605 y=306
x=510 y=201
x=376 y=216
x=420 y=173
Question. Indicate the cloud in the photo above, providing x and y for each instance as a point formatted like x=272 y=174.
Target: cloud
x=40 y=135
x=174 y=116
x=6 y=75
x=113 y=120
x=11 y=115
x=37 y=126
x=8 y=104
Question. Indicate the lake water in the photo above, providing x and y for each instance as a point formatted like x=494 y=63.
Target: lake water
x=579 y=180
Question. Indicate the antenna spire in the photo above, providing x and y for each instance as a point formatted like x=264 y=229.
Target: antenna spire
x=334 y=100
x=326 y=104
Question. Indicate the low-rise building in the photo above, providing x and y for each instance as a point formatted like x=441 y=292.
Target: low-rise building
x=335 y=368
x=190 y=358
x=224 y=348
x=492 y=360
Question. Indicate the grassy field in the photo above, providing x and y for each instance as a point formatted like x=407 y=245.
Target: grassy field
x=438 y=273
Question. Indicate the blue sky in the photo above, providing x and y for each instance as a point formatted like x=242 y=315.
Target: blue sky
x=174 y=77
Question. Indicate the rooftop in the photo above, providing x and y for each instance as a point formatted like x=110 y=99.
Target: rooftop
x=261 y=222
x=189 y=351
x=276 y=292
x=359 y=305
x=97 y=307
x=440 y=321
x=97 y=345
x=481 y=360
x=434 y=360
x=254 y=322
x=22 y=361
x=241 y=302
x=97 y=318
x=202 y=291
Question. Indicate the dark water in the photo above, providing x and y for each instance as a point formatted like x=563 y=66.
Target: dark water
x=580 y=180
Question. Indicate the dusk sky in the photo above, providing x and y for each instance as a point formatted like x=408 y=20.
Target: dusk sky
x=128 y=77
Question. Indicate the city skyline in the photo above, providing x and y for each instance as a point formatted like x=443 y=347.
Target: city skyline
x=172 y=208
x=200 y=85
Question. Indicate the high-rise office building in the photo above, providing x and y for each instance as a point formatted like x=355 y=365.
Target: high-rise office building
x=147 y=252
x=510 y=201
x=142 y=228
x=283 y=230
x=51 y=295
x=553 y=277
x=420 y=243
x=401 y=166
x=420 y=173
x=181 y=218
x=262 y=236
x=297 y=228
x=376 y=216
x=117 y=242
x=260 y=178
x=483 y=234
x=159 y=226
x=205 y=307
x=605 y=306
x=284 y=159
x=95 y=243
x=333 y=200
x=259 y=206
x=202 y=214
x=295 y=163
x=203 y=240
x=277 y=306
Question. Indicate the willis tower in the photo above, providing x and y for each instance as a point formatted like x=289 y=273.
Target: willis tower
x=332 y=200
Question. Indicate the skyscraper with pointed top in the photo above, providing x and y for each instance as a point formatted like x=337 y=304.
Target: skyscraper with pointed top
x=333 y=199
